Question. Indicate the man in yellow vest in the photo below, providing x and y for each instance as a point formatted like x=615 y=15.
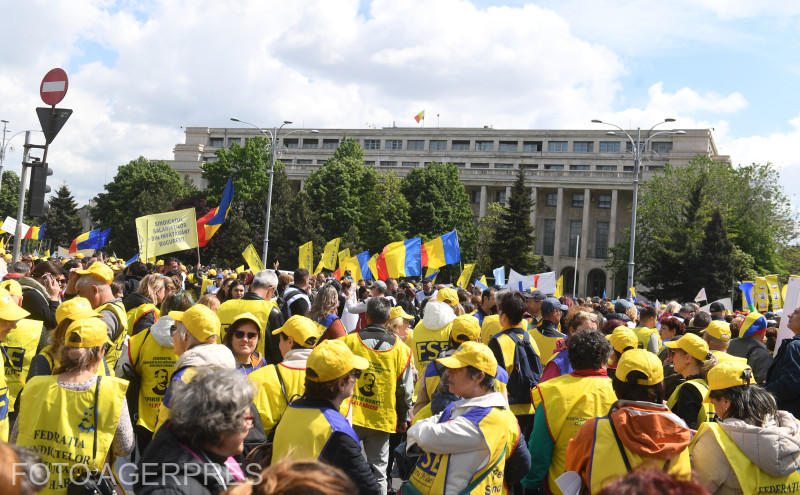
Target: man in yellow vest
x=10 y=314
x=257 y=301
x=94 y=284
x=547 y=334
x=646 y=332
x=431 y=334
x=534 y=300
x=717 y=335
x=382 y=396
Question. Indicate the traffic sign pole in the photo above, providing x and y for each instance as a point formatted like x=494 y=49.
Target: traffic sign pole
x=20 y=206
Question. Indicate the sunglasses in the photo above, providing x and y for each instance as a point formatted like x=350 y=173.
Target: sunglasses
x=172 y=330
x=357 y=373
x=62 y=281
x=240 y=334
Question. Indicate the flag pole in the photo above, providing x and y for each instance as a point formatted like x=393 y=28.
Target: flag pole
x=198 y=254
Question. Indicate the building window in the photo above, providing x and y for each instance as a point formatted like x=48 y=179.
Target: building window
x=607 y=168
x=478 y=165
x=629 y=147
x=577 y=200
x=553 y=167
x=388 y=163
x=500 y=197
x=234 y=140
x=305 y=162
x=321 y=162
x=627 y=168
x=394 y=144
x=438 y=145
x=369 y=163
x=508 y=146
x=410 y=164
x=551 y=199
x=476 y=196
x=310 y=144
x=556 y=146
x=579 y=167
x=531 y=146
x=601 y=241
x=460 y=145
x=504 y=165
x=372 y=144
x=662 y=147
x=415 y=144
x=575 y=227
x=286 y=161
x=460 y=164
x=655 y=168
x=292 y=143
x=330 y=144
x=583 y=146
x=484 y=145
x=217 y=142
x=549 y=237
x=604 y=201
x=530 y=166
x=609 y=146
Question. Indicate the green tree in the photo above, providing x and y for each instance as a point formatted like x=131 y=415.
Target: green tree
x=300 y=225
x=487 y=232
x=716 y=270
x=142 y=187
x=512 y=244
x=438 y=204
x=9 y=195
x=63 y=222
x=387 y=221
x=343 y=191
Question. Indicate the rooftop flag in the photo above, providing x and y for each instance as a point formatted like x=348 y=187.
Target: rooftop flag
x=419 y=116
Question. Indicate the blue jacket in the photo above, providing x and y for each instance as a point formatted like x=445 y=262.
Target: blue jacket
x=783 y=377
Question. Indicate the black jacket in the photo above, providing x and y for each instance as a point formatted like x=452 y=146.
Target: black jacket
x=783 y=377
x=130 y=285
x=756 y=353
x=134 y=300
x=272 y=352
x=37 y=304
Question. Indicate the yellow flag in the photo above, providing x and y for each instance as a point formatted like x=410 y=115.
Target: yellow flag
x=45 y=255
x=483 y=280
x=2 y=242
x=344 y=255
x=239 y=270
x=633 y=292
x=164 y=233
x=318 y=269
x=306 y=257
x=466 y=273
x=329 y=256
x=761 y=291
x=774 y=288
x=253 y=259
x=559 y=287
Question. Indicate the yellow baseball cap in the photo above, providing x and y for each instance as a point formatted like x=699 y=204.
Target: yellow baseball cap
x=623 y=338
x=212 y=273
x=249 y=317
x=690 y=344
x=75 y=309
x=729 y=374
x=472 y=354
x=199 y=320
x=332 y=359
x=447 y=295
x=160 y=263
x=79 y=256
x=640 y=360
x=99 y=270
x=304 y=331
x=399 y=312
x=112 y=260
x=465 y=328
x=12 y=286
x=720 y=330
x=88 y=332
x=9 y=311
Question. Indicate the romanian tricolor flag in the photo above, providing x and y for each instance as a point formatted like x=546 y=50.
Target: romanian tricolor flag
x=35 y=233
x=419 y=116
x=359 y=266
x=94 y=239
x=431 y=274
x=208 y=225
x=401 y=259
x=372 y=264
x=441 y=251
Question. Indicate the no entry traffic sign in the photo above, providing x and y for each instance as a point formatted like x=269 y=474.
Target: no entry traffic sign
x=54 y=86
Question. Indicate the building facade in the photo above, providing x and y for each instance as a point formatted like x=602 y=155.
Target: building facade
x=581 y=180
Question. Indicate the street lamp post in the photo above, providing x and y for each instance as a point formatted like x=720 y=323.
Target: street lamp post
x=273 y=137
x=638 y=147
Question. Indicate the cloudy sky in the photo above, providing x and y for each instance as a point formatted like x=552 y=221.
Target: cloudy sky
x=140 y=70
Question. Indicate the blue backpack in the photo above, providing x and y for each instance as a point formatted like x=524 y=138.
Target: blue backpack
x=527 y=369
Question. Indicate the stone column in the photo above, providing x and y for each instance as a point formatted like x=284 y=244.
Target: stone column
x=584 y=246
x=508 y=194
x=483 y=202
x=559 y=220
x=533 y=210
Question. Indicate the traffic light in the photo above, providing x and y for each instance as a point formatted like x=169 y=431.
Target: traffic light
x=38 y=189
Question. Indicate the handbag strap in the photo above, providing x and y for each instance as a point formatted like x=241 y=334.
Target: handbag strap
x=96 y=424
x=474 y=484
x=280 y=380
x=619 y=444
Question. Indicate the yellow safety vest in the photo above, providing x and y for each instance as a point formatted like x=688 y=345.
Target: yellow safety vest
x=374 y=397
x=153 y=363
x=269 y=397
x=723 y=356
x=4 y=427
x=304 y=432
x=751 y=478
x=643 y=336
x=568 y=402
x=546 y=345
x=113 y=353
x=47 y=352
x=433 y=379
x=426 y=345
x=59 y=424
x=136 y=314
x=430 y=473
x=18 y=349
x=507 y=348
x=164 y=413
x=706 y=412
x=234 y=307
x=611 y=466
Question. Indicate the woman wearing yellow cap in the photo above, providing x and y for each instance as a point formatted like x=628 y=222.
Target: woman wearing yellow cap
x=75 y=418
x=752 y=447
x=689 y=355
x=399 y=322
x=313 y=427
x=464 y=447
x=242 y=337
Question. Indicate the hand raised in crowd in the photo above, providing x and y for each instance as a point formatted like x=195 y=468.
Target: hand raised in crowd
x=51 y=286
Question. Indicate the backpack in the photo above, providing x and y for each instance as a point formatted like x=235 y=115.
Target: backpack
x=526 y=372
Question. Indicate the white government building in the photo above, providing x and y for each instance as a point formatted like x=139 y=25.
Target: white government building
x=581 y=180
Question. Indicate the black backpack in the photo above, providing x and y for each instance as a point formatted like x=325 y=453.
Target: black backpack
x=526 y=372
